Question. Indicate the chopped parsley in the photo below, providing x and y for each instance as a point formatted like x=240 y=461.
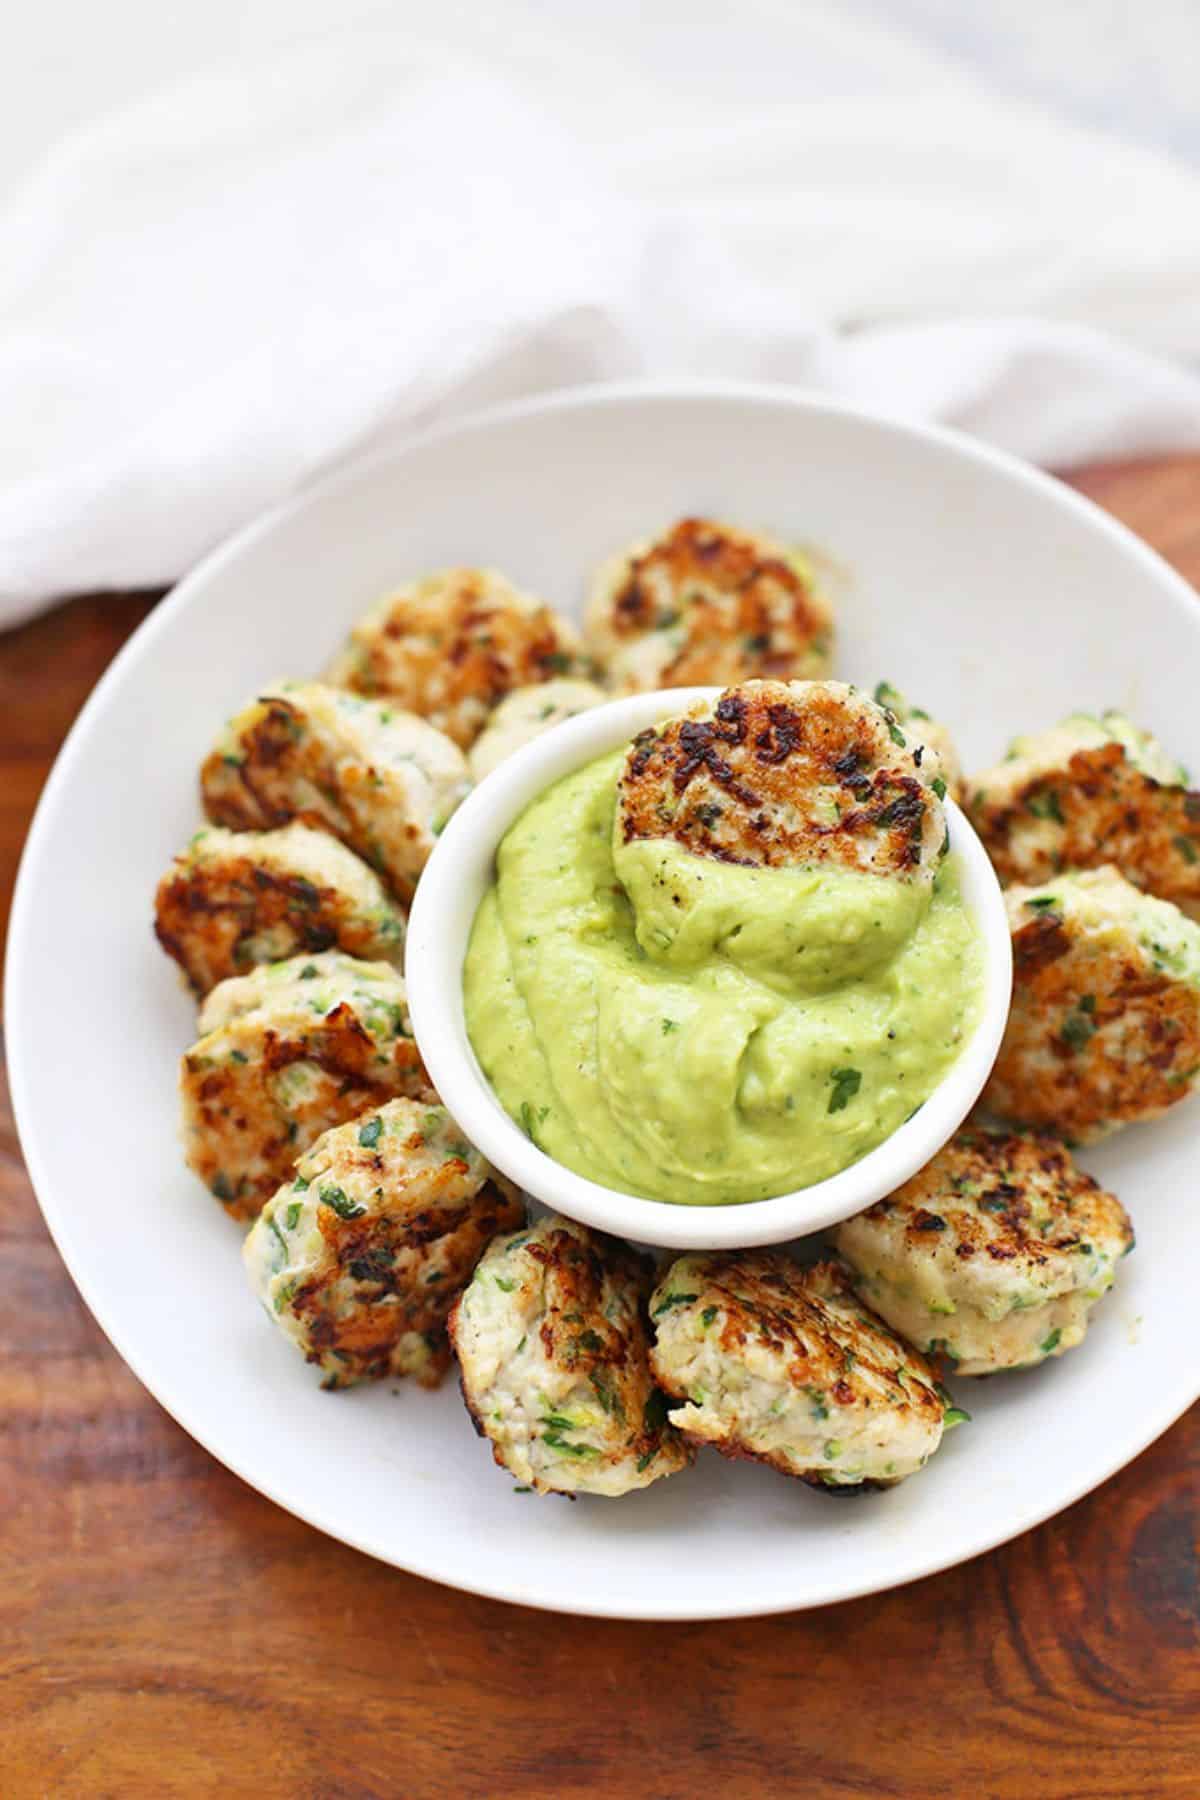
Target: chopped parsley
x=669 y=1025
x=1079 y=1027
x=608 y=1397
x=846 y=1083
x=707 y=1316
x=939 y=787
x=370 y=1133
x=1051 y=1343
x=553 y=1441
x=531 y=1120
x=1040 y=902
x=670 y=1300
x=337 y=1202
x=1046 y=805
x=955 y=1415
x=300 y=1186
x=292 y=1215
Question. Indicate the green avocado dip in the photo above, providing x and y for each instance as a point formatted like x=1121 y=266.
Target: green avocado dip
x=701 y=1032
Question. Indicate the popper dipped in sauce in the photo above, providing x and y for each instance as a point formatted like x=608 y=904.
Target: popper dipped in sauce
x=728 y=961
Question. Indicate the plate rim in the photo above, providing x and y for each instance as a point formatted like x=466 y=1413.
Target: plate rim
x=347 y=474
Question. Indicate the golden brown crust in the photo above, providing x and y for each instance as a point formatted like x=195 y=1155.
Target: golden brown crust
x=243 y=1141
x=1095 y=1038
x=237 y=795
x=451 y=647
x=207 y=913
x=386 y=1257
x=740 y=608
x=1099 y=809
x=1039 y=942
x=1008 y=1196
x=780 y=775
x=578 y=1278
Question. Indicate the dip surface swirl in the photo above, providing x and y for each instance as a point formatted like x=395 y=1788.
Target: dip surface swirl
x=699 y=1031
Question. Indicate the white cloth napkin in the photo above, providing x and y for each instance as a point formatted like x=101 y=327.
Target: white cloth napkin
x=213 y=296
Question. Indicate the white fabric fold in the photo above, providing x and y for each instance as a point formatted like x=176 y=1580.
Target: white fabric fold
x=211 y=297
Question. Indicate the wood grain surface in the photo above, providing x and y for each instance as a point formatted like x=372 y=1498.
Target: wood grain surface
x=166 y=1631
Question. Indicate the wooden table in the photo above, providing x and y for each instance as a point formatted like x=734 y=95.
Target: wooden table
x=165 y=1631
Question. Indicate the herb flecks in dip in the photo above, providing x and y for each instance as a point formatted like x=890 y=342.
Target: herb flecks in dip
x=729 y=961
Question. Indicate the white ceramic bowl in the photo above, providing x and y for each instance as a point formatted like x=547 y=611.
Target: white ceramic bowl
x=992 y=594
x=454 y=882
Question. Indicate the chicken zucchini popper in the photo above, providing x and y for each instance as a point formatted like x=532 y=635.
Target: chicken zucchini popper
x=784 y=1365
x=381 y=780
x=706 y=604
x=1088 y=792
x=232 y=899
x=993 y=1255
x=283 y=1054
x=552 y=1345
x=1105 y=1022
x=728 y=961
x=359 y=1257
x=524 y=714
x=451 y=646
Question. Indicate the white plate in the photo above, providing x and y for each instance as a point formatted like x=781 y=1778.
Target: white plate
x=988 y=591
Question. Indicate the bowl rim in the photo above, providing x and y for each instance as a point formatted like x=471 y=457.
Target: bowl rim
x=443 y=912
